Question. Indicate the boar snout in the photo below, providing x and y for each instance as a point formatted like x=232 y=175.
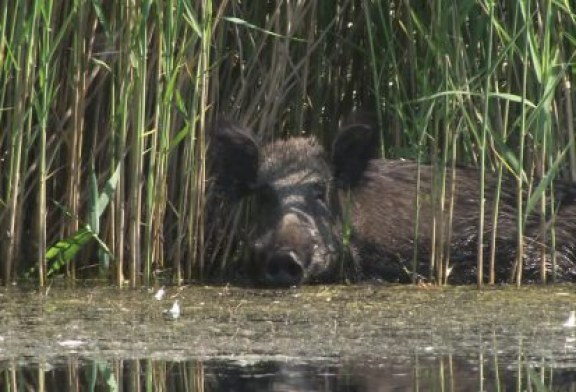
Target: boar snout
x=286 y=252
x=284 y=268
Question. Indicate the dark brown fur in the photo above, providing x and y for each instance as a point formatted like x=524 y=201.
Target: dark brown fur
x=387 y=232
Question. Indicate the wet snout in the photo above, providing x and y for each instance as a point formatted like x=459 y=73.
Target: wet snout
x=284 y=268
x=289 y=254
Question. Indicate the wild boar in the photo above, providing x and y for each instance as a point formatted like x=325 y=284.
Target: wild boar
x=316 y=215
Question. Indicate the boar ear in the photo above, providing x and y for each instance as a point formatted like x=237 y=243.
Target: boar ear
x=234 y=155
x=355 y=145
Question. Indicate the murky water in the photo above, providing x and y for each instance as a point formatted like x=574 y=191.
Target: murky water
x=341 y=338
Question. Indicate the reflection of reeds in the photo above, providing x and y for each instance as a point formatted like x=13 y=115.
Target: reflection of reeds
x=135 y=87
x=443 y=372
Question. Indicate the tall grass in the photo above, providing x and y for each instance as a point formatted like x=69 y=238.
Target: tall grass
x=130 y=89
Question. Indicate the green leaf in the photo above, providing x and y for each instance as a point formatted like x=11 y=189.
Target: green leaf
x=546 y=181
x=242 y=22
x=63 y=251
x=108 y=191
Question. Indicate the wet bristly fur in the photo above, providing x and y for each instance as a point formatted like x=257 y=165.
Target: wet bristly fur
x=309 y=211
x=384 y=220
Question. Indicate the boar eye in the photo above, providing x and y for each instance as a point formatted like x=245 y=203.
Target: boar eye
x=266 y=195
x=319 y=191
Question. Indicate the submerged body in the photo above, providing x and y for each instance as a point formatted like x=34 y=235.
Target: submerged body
x=315 y=217
x=450 y=230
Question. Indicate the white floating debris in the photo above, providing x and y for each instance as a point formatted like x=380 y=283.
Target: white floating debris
x=571 y=322
x=160 y=293
x=71 y=343
x=174 y=311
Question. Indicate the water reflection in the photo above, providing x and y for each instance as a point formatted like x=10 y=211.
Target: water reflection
x=441 y=373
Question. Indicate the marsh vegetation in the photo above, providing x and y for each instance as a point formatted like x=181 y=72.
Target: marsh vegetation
x=105 y=110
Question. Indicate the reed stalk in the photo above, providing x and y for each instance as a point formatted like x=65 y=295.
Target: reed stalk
x=45 y=98
x=483 y=152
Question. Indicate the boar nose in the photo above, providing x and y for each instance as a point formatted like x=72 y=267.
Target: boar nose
x=284 y=269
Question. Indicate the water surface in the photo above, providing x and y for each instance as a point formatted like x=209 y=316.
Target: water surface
x=362 y=337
